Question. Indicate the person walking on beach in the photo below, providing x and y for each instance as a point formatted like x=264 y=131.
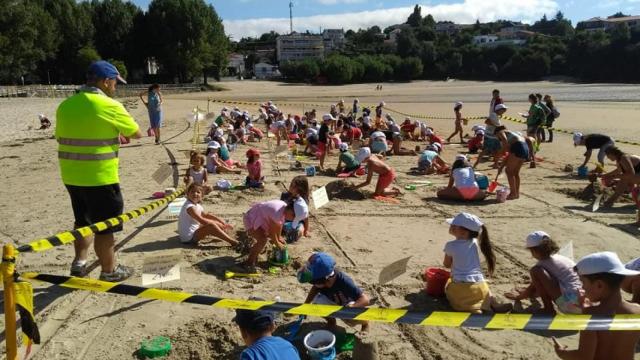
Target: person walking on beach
x=495 y=100
x=154 y=105
x=87 y=130
x=552 y=116
x=458 y=123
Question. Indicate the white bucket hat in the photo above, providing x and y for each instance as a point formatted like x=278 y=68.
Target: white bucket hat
x=467 y=221
x=603 y=262
x=363 y=154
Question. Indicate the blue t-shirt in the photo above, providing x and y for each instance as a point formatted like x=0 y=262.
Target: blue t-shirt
x=428 y=155
x=153 y=100
x=343 y=291
x=270 y=348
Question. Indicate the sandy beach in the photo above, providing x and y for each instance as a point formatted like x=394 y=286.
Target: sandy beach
x=364 y=235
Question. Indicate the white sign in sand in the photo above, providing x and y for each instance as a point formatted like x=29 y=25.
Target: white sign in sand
x=320 y=197
x=174 y=208
x=161 y=268
x=393 y=270
x=163 y=172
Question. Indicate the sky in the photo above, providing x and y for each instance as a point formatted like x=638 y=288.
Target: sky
x=243 y=18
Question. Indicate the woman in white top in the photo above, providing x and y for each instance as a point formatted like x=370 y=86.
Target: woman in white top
x=194 y=224
x=467 y=289
x=553 y=278
x=462 y=183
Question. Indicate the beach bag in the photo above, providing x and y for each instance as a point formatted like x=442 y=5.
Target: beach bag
x=223 y=184
x=556 y=113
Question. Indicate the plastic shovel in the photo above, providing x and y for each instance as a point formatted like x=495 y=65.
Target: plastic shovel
x=230 y=274
x=494 y=184
x=596 y=203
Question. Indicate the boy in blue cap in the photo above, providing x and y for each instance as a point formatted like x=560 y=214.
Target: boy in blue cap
x=256 y=328
x=332 y=287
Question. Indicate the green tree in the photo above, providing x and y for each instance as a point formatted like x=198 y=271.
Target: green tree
x=115 y=19
x=415 y=19
x=187 y=38
x=338 y=69
x=73 y=23
x=85 y=57
x=120 y=65
x=27 y=36
x=410 y=68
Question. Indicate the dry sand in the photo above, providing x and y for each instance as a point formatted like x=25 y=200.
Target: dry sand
x=363 y=235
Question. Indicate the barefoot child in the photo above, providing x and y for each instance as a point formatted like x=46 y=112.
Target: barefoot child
x=194 y=224
x=323 y=138
x=332 y=287
x=601 y=275
x=215 y=164
x=458 y=123
x=462 y=183
x=386 y=173
x=254 y=167
x=197 y=173
x=263 y=222
x=553 y=278
x=346 y=157
x=256 y=329
x=298 y=193
x=430 y=161
x=467 y=289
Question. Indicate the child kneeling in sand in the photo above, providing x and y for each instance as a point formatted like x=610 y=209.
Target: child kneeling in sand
x=552 y=278
x=386 y=173
x=256 y=329
x=332 y=287
x=430 y=161
x=462 y=183
x=194 y=224
x=254 y=168
x=351 y=164
x=601 y=275
x=467 y=289
x=298 y=193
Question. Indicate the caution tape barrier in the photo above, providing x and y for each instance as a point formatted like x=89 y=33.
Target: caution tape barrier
x=67 y=237
x=397 y=316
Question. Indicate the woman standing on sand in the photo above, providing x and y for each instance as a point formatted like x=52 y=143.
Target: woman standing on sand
x=154 y=106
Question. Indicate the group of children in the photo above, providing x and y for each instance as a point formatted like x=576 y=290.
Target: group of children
x=592 y=286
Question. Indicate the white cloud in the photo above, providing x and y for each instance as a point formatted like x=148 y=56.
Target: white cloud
x=467 y=11
x=333 y=2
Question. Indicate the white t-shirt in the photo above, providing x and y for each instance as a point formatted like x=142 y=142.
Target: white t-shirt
x=301 y=209
x=464 y=178
x=561 y=268
x=466 y=260
x=187 y=225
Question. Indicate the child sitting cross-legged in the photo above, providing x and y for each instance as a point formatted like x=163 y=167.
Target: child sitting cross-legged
x=332 y=287
x=601 y=275
x=552 y=278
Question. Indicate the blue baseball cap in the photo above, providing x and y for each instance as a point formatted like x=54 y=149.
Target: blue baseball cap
x=256 y=320
x=104 y=70
x=321 y=266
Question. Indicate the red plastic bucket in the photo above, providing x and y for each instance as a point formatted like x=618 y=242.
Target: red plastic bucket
x=436 y=280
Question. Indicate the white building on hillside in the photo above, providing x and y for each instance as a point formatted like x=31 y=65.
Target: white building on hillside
x=333 y=40
x=299 y=46
x=264 y=71
x=604 y=24
x=482 y=40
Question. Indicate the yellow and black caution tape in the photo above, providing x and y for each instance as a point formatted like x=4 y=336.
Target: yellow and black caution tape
x=67 y=237
x=398 y=316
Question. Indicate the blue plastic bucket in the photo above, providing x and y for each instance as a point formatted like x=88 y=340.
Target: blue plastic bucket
x=483 y=181
x=310 y=170
x=583 y=171
x=320 y=345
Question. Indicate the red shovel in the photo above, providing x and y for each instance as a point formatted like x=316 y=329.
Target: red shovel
x=494 y=184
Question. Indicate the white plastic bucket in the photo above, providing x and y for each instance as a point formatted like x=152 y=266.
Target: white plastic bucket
x=320 y=345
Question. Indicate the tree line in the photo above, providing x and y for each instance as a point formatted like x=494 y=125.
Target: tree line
x=54 y=41
x=420 y=52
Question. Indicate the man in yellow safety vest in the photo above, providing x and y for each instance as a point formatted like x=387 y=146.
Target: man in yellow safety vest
x=88 y=126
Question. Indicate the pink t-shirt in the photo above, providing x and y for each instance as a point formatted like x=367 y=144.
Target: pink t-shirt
x=255 y=169
x=260 y=215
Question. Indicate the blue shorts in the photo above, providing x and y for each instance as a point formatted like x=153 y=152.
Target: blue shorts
x=491 y=145
x=155 y=119
x=291 y=235
x=520 y=150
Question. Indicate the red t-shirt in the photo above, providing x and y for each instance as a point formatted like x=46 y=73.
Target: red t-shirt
x=409 y=128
